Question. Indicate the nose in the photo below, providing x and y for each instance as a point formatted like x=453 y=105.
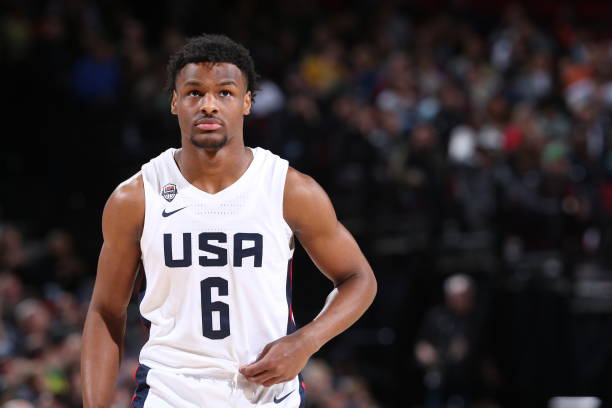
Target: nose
x=208 y=104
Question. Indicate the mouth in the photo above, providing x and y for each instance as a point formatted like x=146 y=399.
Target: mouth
x=208 y=124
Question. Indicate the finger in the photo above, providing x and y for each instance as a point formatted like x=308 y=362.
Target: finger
x=272 y=381
x=255 y=368
x=262 y=377
x=256 y=376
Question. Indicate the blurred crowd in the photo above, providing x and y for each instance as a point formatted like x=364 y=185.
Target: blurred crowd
x=466 y=145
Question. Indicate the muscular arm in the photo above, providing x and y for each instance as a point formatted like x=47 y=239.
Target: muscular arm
x=122 y=223
x=332 y=248
x=312 y=218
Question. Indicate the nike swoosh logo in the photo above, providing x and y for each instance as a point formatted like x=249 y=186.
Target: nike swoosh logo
x=167 y=214
x=279 y=400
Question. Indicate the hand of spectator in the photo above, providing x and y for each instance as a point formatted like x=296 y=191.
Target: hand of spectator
x=279 y=361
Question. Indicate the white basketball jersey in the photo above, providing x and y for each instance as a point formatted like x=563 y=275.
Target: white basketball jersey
x=217 y=267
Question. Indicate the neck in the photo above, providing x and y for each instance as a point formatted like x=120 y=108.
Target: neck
x=212 y=170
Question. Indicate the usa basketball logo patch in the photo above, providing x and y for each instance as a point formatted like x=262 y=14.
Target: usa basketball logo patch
x=169 y=192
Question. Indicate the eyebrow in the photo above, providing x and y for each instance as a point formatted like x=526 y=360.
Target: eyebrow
x=194 y=82
x=228 y=82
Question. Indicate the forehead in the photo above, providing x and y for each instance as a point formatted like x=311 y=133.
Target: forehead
x=210 y=72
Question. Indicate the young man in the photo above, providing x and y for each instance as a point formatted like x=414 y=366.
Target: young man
x=212 y=224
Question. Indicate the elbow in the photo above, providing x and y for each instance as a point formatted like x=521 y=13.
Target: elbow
x=362 y=283
x=369 y=285
x=112 y=318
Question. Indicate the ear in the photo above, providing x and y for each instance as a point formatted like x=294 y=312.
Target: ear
x=247 y=103
x=173 y=103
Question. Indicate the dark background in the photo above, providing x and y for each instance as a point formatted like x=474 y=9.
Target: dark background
x=452 y=136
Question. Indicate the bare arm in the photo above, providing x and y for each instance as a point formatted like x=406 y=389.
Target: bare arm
x=312 y=218
x=104 y=330
x=334 y=251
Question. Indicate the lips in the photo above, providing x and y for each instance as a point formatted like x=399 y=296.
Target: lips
x=208 y=124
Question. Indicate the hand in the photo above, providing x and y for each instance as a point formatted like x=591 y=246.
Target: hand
x=280 y=360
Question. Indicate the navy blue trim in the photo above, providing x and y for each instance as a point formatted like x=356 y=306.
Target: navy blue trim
x=142 y=388
x=291 y=326
x=302 y=391
x=142 y=288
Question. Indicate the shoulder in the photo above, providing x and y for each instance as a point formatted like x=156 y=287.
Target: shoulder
x=305 y=201
x=129 y=193
x=300 y=186
x=125 y=207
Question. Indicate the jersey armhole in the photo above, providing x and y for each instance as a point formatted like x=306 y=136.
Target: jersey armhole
x=286 y=227
x=146 y=235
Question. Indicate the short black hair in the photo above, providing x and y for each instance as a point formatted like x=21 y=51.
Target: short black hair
x=213 y=48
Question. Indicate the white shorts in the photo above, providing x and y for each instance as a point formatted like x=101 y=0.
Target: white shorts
x=161 y=389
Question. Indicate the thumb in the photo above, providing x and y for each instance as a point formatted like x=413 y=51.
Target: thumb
x=258 y=365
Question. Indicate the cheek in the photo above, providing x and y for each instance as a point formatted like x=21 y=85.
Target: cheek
x=238 y=117
x=184 y=116
x=186 y=108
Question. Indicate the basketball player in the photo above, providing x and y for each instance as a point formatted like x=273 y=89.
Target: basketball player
x=212 y=225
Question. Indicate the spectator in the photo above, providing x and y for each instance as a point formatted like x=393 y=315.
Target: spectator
x=448 y=347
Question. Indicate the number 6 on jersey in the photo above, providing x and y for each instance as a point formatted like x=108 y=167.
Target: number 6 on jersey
x=209 y=307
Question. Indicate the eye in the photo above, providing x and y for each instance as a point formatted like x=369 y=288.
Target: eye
x=225 y=92
x=194 y=92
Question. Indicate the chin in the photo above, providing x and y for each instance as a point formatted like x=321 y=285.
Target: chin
x=209 y=142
